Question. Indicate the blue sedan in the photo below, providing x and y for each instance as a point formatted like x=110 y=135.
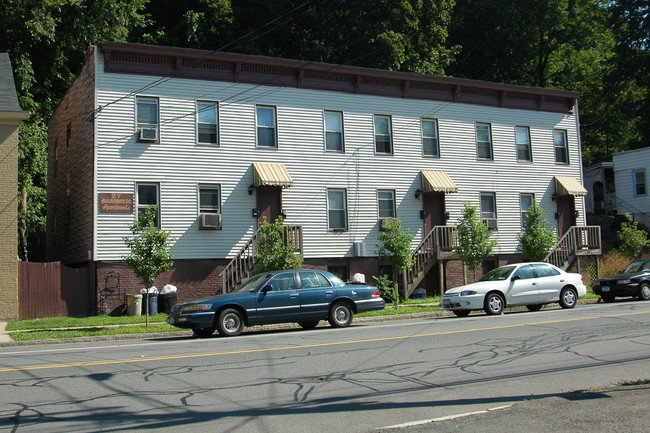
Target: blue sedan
x=302 y=296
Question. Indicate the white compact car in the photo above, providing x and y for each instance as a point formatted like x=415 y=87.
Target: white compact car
x=529 y=284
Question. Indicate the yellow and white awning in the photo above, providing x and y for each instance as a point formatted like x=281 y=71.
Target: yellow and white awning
x=437 y=181
x=272 y=174
x=566 y=185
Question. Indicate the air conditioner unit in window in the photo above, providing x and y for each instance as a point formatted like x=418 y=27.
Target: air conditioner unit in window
x=210 y=221
x=491 y=224
x=147 y=134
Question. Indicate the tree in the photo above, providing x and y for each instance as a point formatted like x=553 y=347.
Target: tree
x=537 y=239
x=274 y=254
x=395 y=249
x=150 y=249
x=633 y=240
x=474 y=243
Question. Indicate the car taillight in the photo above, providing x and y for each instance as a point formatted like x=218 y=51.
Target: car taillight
x=375 y=293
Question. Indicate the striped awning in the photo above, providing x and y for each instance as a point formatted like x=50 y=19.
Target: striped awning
x=438 y=181
x=566 y=185
x=272 y=174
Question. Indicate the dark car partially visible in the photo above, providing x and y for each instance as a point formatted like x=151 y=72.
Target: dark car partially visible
x=634 y=280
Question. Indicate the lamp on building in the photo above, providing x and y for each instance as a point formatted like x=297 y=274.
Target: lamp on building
x=251 y=188
x=417 y=193
x=255 y=213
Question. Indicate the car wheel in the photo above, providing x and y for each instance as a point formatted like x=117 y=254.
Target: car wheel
x=340 y=315
x=230 y=323
x=534 y=307
x=203 y=332
x=461 y=313
x=568 y=298
x=644 y=292
x=607 y=298
x=494 y=304
x=309 y=325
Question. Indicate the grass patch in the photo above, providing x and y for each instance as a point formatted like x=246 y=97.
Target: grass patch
x=92 y=331
x=402 y=309
x=81 y=322
x=635 y=382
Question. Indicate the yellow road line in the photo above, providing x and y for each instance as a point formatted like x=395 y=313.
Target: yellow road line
x=305 y=346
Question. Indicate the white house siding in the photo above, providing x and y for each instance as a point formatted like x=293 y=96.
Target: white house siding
x=625 y=163
x=179 y=165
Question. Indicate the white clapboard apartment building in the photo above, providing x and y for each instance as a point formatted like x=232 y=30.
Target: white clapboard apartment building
x=219 y=141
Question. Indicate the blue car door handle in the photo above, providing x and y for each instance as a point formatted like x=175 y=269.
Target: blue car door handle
x=329 y=292
x=293 y=295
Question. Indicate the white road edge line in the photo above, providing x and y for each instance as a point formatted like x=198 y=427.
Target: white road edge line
x=442 y=418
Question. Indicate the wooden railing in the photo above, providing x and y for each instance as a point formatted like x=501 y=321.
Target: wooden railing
x=441 y=239
x=576 y=241
x=241 y=267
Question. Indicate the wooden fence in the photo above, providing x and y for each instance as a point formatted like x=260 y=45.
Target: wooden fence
x=55 y=290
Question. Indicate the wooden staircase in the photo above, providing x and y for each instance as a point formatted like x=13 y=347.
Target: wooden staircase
x=577 y=241
x=241 y=267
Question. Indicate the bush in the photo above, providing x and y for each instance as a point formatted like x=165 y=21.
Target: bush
x=387 y=289
x=612 y=262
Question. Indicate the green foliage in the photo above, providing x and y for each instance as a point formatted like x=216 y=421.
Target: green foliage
x=274 y=254
x=474 y=243
x=150 y=249
x=387 y=289
x=537 y=238
x=395 y=246
x=633 y=240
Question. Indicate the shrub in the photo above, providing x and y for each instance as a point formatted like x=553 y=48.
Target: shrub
x=387 y=289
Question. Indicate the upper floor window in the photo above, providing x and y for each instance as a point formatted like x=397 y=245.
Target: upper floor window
x=207 y=126
x=337 y=209
x=383 y=134
x=267 y=135
x=484 y=140
x=640 y=187
x=334 y=131
x=430 y=145
x=147 y=123
x=386 y=203
x=522 y=137
x=148 y=196
x=561 y=149
x=525 y=201
x=489 y=209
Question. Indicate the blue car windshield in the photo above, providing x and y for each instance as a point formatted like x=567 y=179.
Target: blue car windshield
x=254 y=283
x=498 y=274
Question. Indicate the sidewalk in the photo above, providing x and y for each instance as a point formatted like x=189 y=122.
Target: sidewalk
x=4 y=338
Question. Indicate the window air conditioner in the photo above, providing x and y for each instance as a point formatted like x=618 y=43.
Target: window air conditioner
x=147 y=134
x=491 y=224
x=210 y=221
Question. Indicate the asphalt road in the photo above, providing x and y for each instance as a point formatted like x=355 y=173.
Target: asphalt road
x=367 y=377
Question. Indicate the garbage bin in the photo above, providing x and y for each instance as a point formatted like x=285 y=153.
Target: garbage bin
x=134 y=305
x=166 y=301
x=153 y=304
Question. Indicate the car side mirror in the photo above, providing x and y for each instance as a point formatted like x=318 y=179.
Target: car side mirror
x=267 y=289
x=516 y=277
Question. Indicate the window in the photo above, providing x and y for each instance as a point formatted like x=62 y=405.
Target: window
x=526 y=201
x=266 y=130
x=430 y=137
x=312 y=279
x=209 y=201
x=283 y=281
x=337 y=210
x=525 y=273
x=489 y=209
x=544 y=270
x=484 y=140
x=386 y=203
x=383 y=136
x=334 y=131
x=639 y=183
x=522 y=137
x=148 y=197
x=147 y=119
x=207 y=114
x=560 y=143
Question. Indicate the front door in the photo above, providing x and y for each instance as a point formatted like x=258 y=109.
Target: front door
x=566 y=211
x=269 y=203
x=433 y=205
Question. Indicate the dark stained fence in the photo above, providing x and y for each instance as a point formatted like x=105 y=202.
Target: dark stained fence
x=54 y=290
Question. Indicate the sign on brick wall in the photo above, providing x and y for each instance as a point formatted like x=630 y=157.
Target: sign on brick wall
x=115 y=203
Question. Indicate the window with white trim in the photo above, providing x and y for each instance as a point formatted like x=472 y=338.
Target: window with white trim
x=640 y=186
x=207 y=126
x=560 y=144
x=267 y=134
x=522 y=137
x=383 y=134
x=334 y=131
x=484 y=141
x=209 y=199
x=337 y=210
x=147 y=119
x=489 y=209
x=525 y=202
x=386 y=203
x=147 y=195
x=430 y=143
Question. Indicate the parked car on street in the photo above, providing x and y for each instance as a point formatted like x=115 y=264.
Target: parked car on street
x=302 y=296
x=529 y=284
x=634 y=280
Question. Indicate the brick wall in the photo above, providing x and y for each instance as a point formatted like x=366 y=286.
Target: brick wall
x=8 y=222
x=71 y=171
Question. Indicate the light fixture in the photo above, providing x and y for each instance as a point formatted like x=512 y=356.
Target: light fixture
x=251 y=188
x=554 y=196
x=417 y=193
x=255 y=213
x=447 y=216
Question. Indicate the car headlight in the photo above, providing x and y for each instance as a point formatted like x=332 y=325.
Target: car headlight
x=468 y=293
x=624 y=282
x=196 y=307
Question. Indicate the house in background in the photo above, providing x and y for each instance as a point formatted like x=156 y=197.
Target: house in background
x=600 y=184
x=10 y=117
x=220 y=141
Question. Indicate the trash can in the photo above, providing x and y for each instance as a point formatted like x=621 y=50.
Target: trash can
x=153 y=304
x=419 y=294
x=166 y=301
x=134 y=305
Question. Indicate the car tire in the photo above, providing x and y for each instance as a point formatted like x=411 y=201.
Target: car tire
x=494 y=304
x=461 y=313
x=568 y=298
x=340 y=315
x=230 y=323
x=607 y=298
x=310 y=324
x=644 y=292
x=203 y=332
x=534 y=307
